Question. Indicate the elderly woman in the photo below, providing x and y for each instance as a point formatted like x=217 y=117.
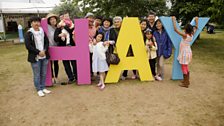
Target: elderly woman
x=52 y=20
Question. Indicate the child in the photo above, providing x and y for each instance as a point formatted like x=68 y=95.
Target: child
x=185 y=53
x=99 y=64
x=151 y=47
x=164 y=49
x=66 y=21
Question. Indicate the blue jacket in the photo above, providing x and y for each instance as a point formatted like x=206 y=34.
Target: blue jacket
x=164 y=44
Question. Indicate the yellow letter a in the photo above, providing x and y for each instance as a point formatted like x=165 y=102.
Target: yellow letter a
x=130 y=34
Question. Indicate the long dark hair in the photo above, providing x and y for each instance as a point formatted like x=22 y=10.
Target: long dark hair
x=158 y=20
x=101 y=34
x=145 y=20
x=189 y=29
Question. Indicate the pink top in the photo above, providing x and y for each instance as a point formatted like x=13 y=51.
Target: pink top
x=92 y=33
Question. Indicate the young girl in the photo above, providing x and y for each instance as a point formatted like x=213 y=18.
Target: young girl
x=99 y=64
x=151 y=47
x=185 y=53
x=164 y=49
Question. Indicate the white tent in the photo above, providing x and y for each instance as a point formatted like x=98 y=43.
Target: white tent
x=18 y=7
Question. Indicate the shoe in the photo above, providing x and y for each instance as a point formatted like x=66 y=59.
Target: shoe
x=71 y=81
x=46 y=91
x=56 y=81
x=123 y=78
x=99 y=84
x=40 y=93
x=185 y=82
x=133 y=77
x=158 y=78
x=102 y=87
x=64 y=83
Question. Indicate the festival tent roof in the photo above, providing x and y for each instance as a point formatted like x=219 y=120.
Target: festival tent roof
x=18 y=7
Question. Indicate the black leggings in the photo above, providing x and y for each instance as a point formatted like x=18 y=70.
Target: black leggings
x=152 y=63
x=125 y=73
x=54 y=72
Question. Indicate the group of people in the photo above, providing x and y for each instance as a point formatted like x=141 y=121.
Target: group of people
x=103 y=34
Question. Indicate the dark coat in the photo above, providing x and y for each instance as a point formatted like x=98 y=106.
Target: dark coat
x=31 y=47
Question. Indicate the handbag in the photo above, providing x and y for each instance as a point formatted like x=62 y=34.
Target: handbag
x=112 y=58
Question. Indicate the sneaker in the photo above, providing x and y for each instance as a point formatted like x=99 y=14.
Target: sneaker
x=133 y=77
x=40 y=93
x=46 y=91
x=71 y=81
x=158 y=78
x=56 y=81
x=102 y=87
x=99 y=84
x=123 y=78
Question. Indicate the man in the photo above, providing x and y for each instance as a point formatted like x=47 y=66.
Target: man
x=69 y=65
x=92 y=32
x=151 y=21
x=37 y=45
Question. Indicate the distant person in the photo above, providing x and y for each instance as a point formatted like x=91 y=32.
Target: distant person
x=210 y=29
x=37 y=45
x=185 y=52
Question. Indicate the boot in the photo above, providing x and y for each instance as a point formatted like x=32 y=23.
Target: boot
x=182 y=81
x=185 y=81
x=188 y=79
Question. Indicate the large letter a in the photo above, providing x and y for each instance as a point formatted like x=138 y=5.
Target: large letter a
x=130 y=34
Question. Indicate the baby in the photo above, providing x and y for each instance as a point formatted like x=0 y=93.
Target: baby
x=66 y=21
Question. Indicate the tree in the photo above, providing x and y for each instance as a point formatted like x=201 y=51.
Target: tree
x=187 y=9
x=136 y=8
x=69 y=7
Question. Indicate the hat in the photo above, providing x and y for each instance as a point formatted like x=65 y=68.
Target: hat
x=89 y=14
x=51 y=15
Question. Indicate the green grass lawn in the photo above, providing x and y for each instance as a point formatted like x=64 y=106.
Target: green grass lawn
x=210 y=50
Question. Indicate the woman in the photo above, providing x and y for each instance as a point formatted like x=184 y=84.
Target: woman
x=52 y=25
x=164 y=50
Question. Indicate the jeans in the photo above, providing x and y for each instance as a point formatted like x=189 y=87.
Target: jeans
x=39 y=73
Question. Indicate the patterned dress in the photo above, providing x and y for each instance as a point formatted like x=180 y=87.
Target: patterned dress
x=185 y=53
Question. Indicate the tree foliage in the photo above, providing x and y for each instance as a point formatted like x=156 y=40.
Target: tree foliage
x=137 y=8
x=69 y=7
x=187 y=9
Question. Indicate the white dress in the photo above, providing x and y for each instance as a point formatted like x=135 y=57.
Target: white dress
x=99 y=57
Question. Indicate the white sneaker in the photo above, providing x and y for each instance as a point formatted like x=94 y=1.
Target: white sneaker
x=40 y=93
x=123 y=78
x=158 y=78
x=46 y=91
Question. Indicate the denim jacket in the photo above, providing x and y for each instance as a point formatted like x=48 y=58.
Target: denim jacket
x=164 y=44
